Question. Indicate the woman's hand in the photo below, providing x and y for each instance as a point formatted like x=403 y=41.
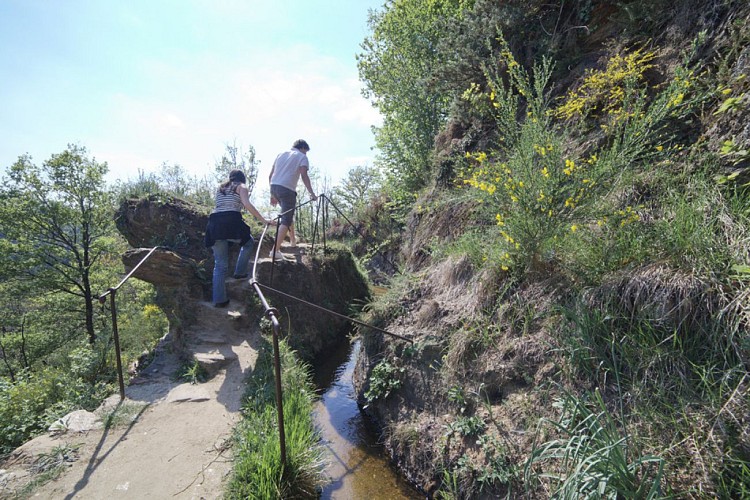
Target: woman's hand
x=271 y=222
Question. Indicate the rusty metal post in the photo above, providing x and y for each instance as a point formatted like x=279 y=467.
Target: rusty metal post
x=116 y=336
x=271 y=313
x=315 y=226
x=325 y=221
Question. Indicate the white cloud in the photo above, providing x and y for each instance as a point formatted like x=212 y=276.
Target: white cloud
x=190 y=110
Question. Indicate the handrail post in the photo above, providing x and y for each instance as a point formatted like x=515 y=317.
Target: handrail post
x=115 y=334
x=325 y=222
x=315 y=225
x=102 y=299
x=271 y=313
x=279 y=398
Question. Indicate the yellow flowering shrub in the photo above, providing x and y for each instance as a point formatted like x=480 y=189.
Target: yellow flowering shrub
x=604 y=91
x=541 y=191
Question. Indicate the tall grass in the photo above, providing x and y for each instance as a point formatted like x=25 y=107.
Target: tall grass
x=258 y=473
x=592 y=458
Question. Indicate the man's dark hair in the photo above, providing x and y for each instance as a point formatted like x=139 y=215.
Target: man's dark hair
x=301 y=144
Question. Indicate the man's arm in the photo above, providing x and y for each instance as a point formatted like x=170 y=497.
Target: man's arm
x=308 y=184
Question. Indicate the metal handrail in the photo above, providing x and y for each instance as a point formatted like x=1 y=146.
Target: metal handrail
x=102 y=298
x=272 y=315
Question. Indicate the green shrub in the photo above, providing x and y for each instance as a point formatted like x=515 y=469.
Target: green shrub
x=30 y=404
x=592 y=458
x=384 y=379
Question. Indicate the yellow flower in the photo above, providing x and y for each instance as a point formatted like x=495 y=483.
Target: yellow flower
x=545 y=172
x=659 y=147
x=574 y=228
x=726 y=91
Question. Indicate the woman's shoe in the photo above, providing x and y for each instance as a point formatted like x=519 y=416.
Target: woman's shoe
x=222 y=304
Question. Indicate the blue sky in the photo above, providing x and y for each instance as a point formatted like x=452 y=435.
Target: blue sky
x=142 y=82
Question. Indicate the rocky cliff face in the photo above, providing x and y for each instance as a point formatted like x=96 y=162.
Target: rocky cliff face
x=181 y=267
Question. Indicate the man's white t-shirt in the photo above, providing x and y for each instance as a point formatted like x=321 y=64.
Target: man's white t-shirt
x=286 y=168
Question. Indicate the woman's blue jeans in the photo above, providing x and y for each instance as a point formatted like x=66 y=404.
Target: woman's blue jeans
x=221 y=264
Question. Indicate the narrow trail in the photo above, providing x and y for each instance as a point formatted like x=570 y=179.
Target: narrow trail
x=178 y=446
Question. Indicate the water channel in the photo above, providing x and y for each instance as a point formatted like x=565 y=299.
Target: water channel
x=357 y=464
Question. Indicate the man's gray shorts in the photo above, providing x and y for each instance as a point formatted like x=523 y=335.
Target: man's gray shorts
x=288 y=200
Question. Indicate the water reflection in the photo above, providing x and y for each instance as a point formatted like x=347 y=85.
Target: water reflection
x=358 y=467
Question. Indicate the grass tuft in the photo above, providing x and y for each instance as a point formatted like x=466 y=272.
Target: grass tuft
x=257 y=471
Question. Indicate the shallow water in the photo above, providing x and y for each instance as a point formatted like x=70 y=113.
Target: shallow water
x=358 y=466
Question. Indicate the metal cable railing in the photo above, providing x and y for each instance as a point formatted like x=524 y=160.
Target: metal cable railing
x=102 y=298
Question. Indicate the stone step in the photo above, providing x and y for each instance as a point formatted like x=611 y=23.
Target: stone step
x=212 y=360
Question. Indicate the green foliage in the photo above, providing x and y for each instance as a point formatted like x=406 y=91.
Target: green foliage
x=257 y=460
x=396 y=66
x=174 y=180
x=57 y=223
x=384 y=379
x=192 y=372
x=593 y=458
x=466 y=426
x=124 y=414
x=59 y=253
x=48 y=466
x=234 y=158
x=470 y=477
x=30 y=404
x=540 y=195
x=352 y=197
x=610 y=192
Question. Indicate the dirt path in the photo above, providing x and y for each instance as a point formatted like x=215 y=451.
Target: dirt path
x=176 y=445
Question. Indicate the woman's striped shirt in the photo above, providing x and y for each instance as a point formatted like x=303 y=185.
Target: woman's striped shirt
x=229 y=200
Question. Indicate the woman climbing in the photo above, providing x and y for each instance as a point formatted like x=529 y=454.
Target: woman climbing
x=225 y=226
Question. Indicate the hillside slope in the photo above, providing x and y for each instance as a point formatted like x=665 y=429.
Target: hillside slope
x=576 y=276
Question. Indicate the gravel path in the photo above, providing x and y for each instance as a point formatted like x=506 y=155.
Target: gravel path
x=176 y=442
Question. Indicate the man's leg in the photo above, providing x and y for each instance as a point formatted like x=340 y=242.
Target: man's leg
x=288 y=201
x=283 y=229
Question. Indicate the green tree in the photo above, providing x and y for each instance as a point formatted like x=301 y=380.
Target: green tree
x=397 y=66
x=235 y=158
x=56 y=223
x=174 y=179
x=355 y=191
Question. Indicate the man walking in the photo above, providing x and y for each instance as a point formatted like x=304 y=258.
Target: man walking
x=287 y=168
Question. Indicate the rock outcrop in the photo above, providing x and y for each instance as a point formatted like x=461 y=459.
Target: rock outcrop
x=180 y=268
